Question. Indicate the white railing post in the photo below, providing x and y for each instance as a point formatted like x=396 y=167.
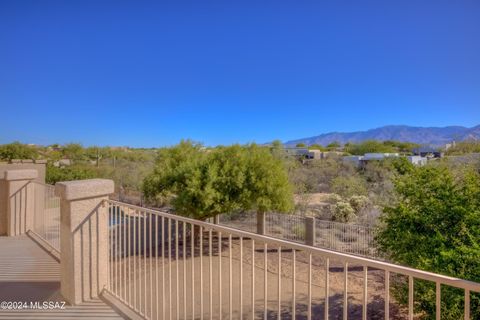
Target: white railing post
x=20 y=199
x=261 y=223
x=310 y=231
x=83 y=237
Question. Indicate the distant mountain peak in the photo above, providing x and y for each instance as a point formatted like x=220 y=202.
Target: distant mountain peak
x=435 y=136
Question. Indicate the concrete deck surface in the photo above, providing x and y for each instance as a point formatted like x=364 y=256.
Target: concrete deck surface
x=30 y=274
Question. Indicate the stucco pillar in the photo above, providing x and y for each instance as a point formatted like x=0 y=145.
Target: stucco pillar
x=83 y=238
x=20 y=199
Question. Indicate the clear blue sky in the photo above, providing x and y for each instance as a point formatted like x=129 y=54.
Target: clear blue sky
x=151 y=73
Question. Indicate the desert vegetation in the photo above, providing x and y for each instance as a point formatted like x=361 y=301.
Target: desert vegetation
x=427 y=217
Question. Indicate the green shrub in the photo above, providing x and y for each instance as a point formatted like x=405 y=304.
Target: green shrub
x=435 y=226
x=343 y=212
x=348 y=186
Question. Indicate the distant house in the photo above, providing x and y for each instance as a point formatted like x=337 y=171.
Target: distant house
x=361 y=161
x=417 y=160
x=428 y=152
x=379 y=156
x=297 y=152
x=315 y=154
x=312 y=154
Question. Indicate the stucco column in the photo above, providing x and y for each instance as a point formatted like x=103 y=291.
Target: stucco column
x=20 y=201
x=83 y=237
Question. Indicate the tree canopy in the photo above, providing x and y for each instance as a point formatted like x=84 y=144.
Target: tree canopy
x=203 y=183
x=435 y=226
x=16 y=150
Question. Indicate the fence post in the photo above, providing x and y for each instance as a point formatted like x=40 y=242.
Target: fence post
x=261 y=222
x=216 y=219
x=20 y=201
x=310 y=231
x=83 y=238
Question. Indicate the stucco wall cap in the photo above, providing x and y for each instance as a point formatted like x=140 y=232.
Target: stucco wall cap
x=21 y=174
x=84 y=189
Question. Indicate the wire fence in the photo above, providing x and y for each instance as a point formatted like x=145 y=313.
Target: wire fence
x=285 y=226
x=347 y=238
x=246 y=221
x=343 y=237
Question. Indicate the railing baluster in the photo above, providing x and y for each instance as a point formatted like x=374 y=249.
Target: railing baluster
x=120 y=255
x=230 y=302
x=265 y=280
x=163 y=269
x=123 y=255
x=117 y=242
x=387 y=294
x=210 y=274
x=144 y=213
x=253 y=279
x=156 y=267
x=129 y=255
x=365 y=292
x=135 y=254
x=241 y=278
x=219 y=275
x=279 y=296
x=110 y=248
x=201 y=273
x=309 y=311
x=109 y=262
x=438 y=301
x=345 y=291
x=150 y=255
x=184 y=260
x=177 y=302
x=410 y=297
x=144 y=245
x=294 y=303
x=467 y=305
x=192 y=256
x=170 y=304
x=327 y=289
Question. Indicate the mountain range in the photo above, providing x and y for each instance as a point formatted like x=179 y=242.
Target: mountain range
x=434 y=136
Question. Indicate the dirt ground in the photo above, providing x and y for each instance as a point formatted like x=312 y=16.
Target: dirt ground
x=182 y=297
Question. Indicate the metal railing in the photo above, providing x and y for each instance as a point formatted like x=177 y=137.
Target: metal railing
x=165 y=266
x=47 y=214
